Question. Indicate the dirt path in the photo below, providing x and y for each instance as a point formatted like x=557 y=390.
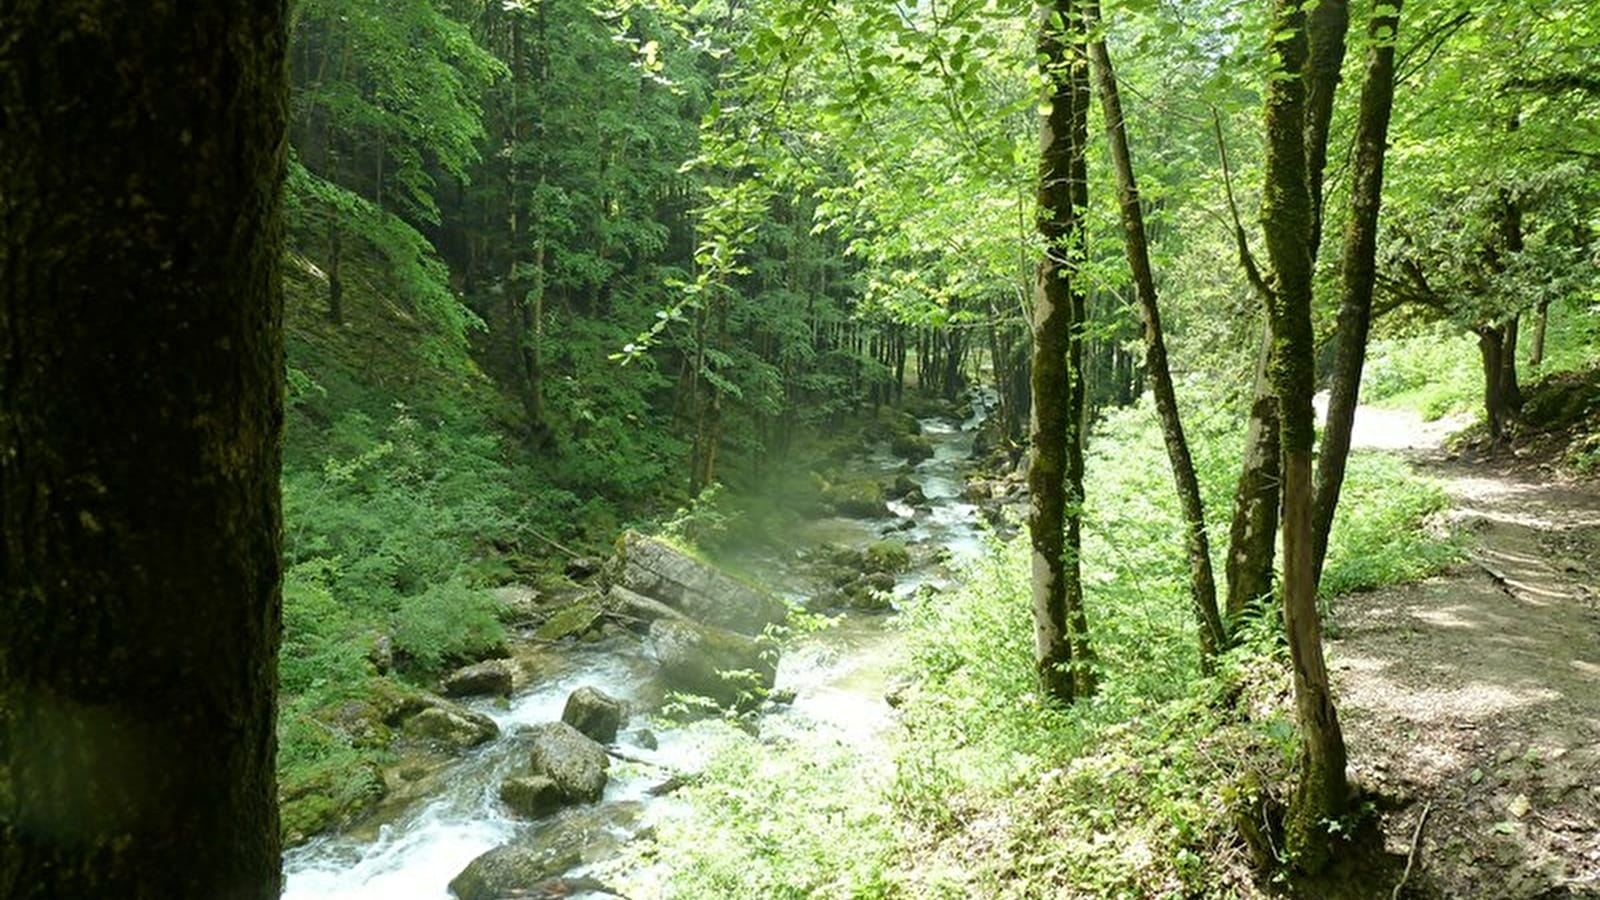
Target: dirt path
x=1476 y=694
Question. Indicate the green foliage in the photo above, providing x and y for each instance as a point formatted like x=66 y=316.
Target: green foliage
x=1381 y=530
x=1434 y=372
x=449 y=622
x=780 y=819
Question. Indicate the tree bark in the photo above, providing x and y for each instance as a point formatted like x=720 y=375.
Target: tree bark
x=1359 y=271
x=1287 y=218
x=141 y=370
x=1055 y=478
x=1536 y=352
x=1253 y=534
x=1254 y=531
x=1202 y=582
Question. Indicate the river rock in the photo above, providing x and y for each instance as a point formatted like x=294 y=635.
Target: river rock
x=490 y=677
x=572 y=760
x=532 y=796
x=856 y=499
x=702 y=591
x=512 y=870
x=575 y=619
x=450 y=726
x=595 y=713
x=695 y=657
x=912 y=447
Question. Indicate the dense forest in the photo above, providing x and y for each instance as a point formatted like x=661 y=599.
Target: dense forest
x=943 y=449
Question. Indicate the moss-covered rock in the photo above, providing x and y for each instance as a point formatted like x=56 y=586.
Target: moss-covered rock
x=573 y=620
x=888 y=556
x=858 y=499
x=911 y=447
x=730 y=668
x=315 y=799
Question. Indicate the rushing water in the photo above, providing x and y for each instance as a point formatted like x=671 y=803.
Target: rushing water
x=838 y=676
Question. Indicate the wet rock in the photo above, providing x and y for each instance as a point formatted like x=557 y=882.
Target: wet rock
x=327 y=798
x=887 y=557
x=699 y=589
x=903 y=487
x=595 y=713
x=536 y=865
x=513 y=870
x=533 y=796
x=450 y=727
x=491 y=677
x=647 y=739
x=730 y=668
x=575 y=763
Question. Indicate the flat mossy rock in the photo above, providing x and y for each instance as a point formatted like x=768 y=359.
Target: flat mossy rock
x=492 y=677
x=535 y=865
x=863 y=499
x=450 y=727
x=327 y=797
x=732 y=669
x=911 y=447
x=695 y=587
x=573 y=620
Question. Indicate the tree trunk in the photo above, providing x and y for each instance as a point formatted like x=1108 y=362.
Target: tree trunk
x=335 y=277
x=141 y=158
x=1359 y=271
x=1536 y=352
x=1254 y=531
x=1202 y=583
x=1253 y=535
x=1491 y=345
x=1287 y=218
x=1055 y=477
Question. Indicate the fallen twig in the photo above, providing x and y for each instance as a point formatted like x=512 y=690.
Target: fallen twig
x=1411 y=858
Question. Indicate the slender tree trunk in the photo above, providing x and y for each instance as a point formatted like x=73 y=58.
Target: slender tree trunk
x=1358 y=269
x=1287 y=218
x=1510 y=387
x=335 y=277
x=1327 y=23
x=141 y=389
x=1202 y=583
x=1536 y=352
x=1055 y=477
x=1253 y=535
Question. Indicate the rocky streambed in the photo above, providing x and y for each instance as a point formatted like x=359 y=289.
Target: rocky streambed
x=539 y=802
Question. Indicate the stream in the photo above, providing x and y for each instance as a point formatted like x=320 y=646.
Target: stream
x=839 y=676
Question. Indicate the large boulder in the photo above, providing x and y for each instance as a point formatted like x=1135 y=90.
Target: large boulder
x=731 y=668
x=702 y=591
x=569 y=758
x=532 y=796
x=490 y=677
x=534 y=866
x=595 y=713
x=510 y=870
x=450 y=727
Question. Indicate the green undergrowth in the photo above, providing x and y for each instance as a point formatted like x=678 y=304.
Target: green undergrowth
x=996 y=793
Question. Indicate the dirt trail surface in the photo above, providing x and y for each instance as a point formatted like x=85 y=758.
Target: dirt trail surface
x=1476 y=694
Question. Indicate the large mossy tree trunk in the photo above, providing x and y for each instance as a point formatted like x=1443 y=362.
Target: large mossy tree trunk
x=141 y=369
x=1202 y=582
x=1358 y=270
x=1055 y=475
x=1288 y=221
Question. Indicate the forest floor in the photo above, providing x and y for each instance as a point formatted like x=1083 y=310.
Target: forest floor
x=1471 y=700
